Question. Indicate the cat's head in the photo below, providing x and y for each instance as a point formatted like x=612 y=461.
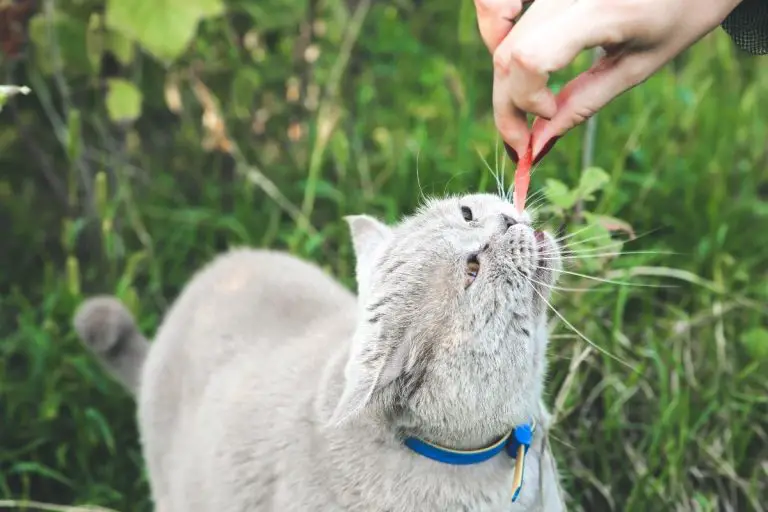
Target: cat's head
x=451 y=339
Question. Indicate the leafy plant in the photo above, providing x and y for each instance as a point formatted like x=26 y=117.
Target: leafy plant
x=157 y=134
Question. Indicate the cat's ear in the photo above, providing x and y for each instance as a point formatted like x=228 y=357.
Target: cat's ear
x=368 y=236
x=371 y=368
x=373 y=361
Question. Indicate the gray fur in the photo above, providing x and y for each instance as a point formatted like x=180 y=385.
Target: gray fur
x=269 y=386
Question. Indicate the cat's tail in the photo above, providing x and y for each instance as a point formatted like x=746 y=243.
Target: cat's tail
x=108 y=329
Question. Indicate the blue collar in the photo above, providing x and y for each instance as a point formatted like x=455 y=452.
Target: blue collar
x=515 y=442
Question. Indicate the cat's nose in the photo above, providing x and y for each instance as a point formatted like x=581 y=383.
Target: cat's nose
x=508 y=221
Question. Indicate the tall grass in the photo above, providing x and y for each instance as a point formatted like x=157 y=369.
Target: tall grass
x=403 y=107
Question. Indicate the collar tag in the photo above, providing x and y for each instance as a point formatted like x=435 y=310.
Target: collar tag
x=517 y=448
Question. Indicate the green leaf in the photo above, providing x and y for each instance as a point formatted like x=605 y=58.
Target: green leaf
x=610 y=223
x=30 y=467
x=592 y=180
x=102 y=425
x=163 y=27
x=60 y=43
x=559 y=195
x=755 y=341
x=590 y=234
x=123 y=100
x=271 y=16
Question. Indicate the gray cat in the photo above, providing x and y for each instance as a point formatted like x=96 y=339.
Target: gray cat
x=270 y=387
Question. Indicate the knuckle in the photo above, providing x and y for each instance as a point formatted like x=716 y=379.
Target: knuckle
x=579 y=115
x=500 y=60
x=514 y=54
x=532 y=102
x=523 y=57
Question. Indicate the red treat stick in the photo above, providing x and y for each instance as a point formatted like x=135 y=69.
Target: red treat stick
x=522 y=179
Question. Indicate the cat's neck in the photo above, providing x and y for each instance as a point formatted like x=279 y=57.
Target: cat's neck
x=455 y=439
x=370 y=450
x=474 y=434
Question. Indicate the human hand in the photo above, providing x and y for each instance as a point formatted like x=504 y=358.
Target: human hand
x=638 y=36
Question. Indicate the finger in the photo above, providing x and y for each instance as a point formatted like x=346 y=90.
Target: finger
x=542 y=11
x=526 y=91
x=583 y=96
x=495 y=19
x=526 y=57
x=553 y=43
x=545 y=149
x=511 y=122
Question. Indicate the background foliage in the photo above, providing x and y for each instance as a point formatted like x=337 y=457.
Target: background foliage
x=159 y=132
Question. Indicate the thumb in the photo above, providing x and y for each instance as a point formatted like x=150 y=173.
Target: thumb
x=586 y=94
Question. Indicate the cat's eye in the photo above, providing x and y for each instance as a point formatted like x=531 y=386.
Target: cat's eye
x=473 y=267
x=466 y=212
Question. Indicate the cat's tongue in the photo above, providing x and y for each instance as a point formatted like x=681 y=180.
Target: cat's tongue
x=522 y=179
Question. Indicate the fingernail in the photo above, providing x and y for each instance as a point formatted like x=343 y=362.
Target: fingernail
x=511 y=153
x=550 y=143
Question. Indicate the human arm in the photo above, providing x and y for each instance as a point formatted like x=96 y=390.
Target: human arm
x=638 y=36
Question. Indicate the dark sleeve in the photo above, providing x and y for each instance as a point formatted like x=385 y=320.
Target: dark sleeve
x=748 y=26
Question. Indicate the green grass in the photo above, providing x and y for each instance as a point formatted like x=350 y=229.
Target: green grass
x=681 y=426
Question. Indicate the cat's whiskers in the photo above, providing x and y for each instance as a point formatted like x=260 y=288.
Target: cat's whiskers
x=576 y=331
x=566 y=237
x=597 y=255
x=609 y=281
x=634 y=238
x=535 y=167
x=495 y=174
x=570 y=247
x=536 y=203
x=585 y=252
x=504 y=192
x=539 y=194
x=422 y=197
x=498 y=182
x=507 y=194
x=453 y=177
x=502 y=188
x=609 y=246
x=561 y=288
